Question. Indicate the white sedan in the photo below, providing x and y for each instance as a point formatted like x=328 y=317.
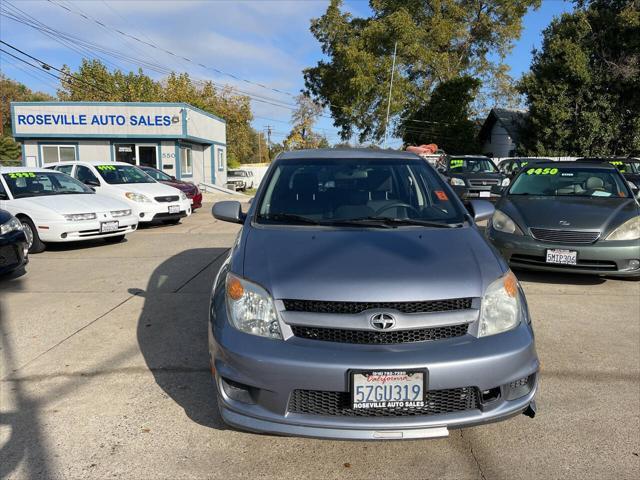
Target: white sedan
x=150 y=200
x=53 y=207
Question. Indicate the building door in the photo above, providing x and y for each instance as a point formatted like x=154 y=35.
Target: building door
x=147 y=156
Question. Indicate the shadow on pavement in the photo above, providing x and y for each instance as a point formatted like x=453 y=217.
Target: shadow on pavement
x=172 y=333
x=19 y=415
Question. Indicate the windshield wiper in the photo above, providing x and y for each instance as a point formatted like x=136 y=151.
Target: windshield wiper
x=414 y=221
x=290 y=217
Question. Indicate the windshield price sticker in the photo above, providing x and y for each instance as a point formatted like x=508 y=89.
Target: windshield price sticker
x=456 y=163
x=542 y=171
x=106 y=167
x=22 y=175
x=388 y=389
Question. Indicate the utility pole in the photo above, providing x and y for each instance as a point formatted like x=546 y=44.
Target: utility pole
x=259 y=147
x=393 y=71
x=269 y=142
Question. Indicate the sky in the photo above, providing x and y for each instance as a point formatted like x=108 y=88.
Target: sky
x=258 y=47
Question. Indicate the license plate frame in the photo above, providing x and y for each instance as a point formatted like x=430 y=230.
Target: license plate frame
x=173 y=209
x=572 y=256
x=372 y=405
x=484 y=194
x=109 y=227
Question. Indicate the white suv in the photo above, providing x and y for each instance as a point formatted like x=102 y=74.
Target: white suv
x=150 y=200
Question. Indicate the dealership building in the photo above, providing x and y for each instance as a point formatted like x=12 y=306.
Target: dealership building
x=177 y=138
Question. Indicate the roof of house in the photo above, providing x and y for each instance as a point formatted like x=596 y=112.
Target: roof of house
x=510 y=120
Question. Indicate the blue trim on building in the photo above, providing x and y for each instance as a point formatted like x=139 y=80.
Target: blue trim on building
x=123 y=104
x=40 y=144
x=177 y=165
x=13 y=128
x=213 y=164
x=116 y=136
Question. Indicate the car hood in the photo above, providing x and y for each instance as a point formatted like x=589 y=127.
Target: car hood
x=405 y=264
x=183 y=186
x=81 y=203
x=582 y=213
x=149 y=189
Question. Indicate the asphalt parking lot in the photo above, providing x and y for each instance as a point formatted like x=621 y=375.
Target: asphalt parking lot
x=105 y=374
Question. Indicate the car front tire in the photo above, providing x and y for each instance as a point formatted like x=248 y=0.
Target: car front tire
x=33 y=239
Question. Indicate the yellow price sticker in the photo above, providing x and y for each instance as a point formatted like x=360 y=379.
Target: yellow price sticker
x=106 y=167
x=542 y=171
x=22 y=175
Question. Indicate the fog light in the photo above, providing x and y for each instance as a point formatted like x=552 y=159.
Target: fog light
x=237 y=391
x=488 y=396
x=634 y=264
x=64 y=235
x=519 y=388
x=142 y=215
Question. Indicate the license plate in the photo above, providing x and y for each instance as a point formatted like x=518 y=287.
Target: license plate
x=387 y=389
x=485 y=194
x=174 y=208
x=563 y=257
x=108 y=227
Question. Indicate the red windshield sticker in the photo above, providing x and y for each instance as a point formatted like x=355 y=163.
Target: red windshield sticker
x=441 y=195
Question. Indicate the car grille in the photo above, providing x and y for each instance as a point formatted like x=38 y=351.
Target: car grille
x=484 y=183
x=8 y=255
x=373 y=337
x=168 y=198
x=534 y=260
x=338 y=404
x=314 y=306
x=564 y=236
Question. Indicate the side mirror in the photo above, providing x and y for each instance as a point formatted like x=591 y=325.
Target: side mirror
x=229 y=211
x=4 y=196
x=481 y=210
x=91 y=183
x=634 y=188
x=172 y=177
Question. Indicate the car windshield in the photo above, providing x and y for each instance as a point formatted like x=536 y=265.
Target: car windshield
x=326 y=191
x=38 y=184
x=157 y=175
x=626 y=166
x=569 y=181
x=471 y=165
x=123 y=174
x=236 y=174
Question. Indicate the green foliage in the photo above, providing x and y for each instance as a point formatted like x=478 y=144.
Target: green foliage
x=583 y=91
x=12 y=91
x=94 y=82
x=444 y=120
x=437 y=41
x=303 y=119
x=10 y=151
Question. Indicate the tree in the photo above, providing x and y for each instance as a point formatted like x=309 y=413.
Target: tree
x=10 y=151
x=445 y=119
x=94 y=82
x=583 y=90
x=437 y=41
x=12 y=91
x=303 y=120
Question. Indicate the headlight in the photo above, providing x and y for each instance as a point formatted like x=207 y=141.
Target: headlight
x=137 y=197
x=629 y=230
x=457 y=182
x=78 y=217
x=502 y=223
x=11 y=226
x=500 y=310
x=120 y=213
x=251 y=308
x=506 y=182
x=183 y=196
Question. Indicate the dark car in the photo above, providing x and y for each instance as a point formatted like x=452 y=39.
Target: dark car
x=512 y=166
x=13 y=243
x=473 y=177
x=579 y=217
x=191 y=190
x=629 y=167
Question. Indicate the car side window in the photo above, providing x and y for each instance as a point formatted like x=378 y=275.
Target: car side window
x=3 y=192
x=64 y=169
x=84 y=174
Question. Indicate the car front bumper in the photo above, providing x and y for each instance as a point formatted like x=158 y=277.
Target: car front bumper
x=601 y=258
x=273 y=369
x=13 y=251
x=476 y=193
x=65 y=231
x=156 y=211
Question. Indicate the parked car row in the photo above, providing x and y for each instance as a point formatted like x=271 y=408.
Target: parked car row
x=77 y=201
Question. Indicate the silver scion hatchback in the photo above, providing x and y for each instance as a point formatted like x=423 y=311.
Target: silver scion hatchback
x=360 y=301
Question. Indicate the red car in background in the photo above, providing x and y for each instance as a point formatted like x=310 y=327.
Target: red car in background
x=190 y=189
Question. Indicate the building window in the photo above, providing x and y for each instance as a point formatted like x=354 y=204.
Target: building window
x=58 y=153
x=186 y=162
x=220 y=159
x=125 y=152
